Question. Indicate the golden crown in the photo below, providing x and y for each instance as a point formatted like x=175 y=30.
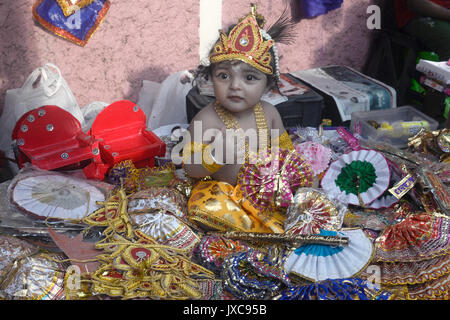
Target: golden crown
x=245 y=42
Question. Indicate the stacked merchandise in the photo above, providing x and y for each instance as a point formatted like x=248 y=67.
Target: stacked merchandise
x=436 y=75
x=436 y=72
x=372 y=223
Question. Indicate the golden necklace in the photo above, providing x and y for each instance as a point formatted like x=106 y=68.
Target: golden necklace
x=231 y=123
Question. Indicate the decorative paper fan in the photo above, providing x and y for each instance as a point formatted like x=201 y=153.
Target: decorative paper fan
x=166 y=229
x=316 y=154
x=249 y=275
x=387 y=199
x=401 y=273
x=270 y=181
x=36 y=277
x=384 y=201
x=358 y=177
x=56 y=197
x=13 y=249
x=317 y=262
x=437 y=289
x=418 y=237
x=159 y=198
x=312 y=210
x=213 y=249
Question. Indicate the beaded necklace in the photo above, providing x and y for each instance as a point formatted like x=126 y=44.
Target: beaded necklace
x=231 y=123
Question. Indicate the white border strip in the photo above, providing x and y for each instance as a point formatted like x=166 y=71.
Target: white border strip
x=210 y=23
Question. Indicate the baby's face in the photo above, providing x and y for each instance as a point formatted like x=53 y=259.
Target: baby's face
x=237 y=85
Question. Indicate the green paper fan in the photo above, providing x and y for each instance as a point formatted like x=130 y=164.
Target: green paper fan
x=358 y=177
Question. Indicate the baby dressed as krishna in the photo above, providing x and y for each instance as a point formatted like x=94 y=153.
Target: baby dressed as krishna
x=237 y=128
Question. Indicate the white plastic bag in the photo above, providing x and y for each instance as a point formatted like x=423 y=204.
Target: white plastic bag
x=165 y=103
x=90 y=112
x=44 y=86
x=147 y=95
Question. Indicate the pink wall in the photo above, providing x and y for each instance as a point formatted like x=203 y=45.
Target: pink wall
x=149 y=40
x=339 y=37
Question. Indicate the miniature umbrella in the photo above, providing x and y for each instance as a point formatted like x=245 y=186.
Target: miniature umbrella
x=358 y=177
x=52 y=196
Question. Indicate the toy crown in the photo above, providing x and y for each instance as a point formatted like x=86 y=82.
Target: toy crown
x=245 y=42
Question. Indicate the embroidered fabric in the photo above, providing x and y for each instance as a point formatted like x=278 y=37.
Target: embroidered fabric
x=70 y=6
x=220 y=206
x=11 y=250
x=135 y=265
x=125 y=175
x=211 y=289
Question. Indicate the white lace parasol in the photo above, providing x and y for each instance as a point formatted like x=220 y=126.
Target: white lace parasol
x=55 y=196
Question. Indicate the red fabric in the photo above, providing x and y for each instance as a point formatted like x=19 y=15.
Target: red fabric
x=403 y=14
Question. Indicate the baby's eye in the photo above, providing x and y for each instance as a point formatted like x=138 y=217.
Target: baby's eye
x=222 y=76
x=251 y=77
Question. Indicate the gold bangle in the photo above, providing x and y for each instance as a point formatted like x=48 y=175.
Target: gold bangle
x=192 y=148
x=208 y=161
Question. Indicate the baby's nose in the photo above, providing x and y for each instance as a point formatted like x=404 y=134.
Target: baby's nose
x=235 y=83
